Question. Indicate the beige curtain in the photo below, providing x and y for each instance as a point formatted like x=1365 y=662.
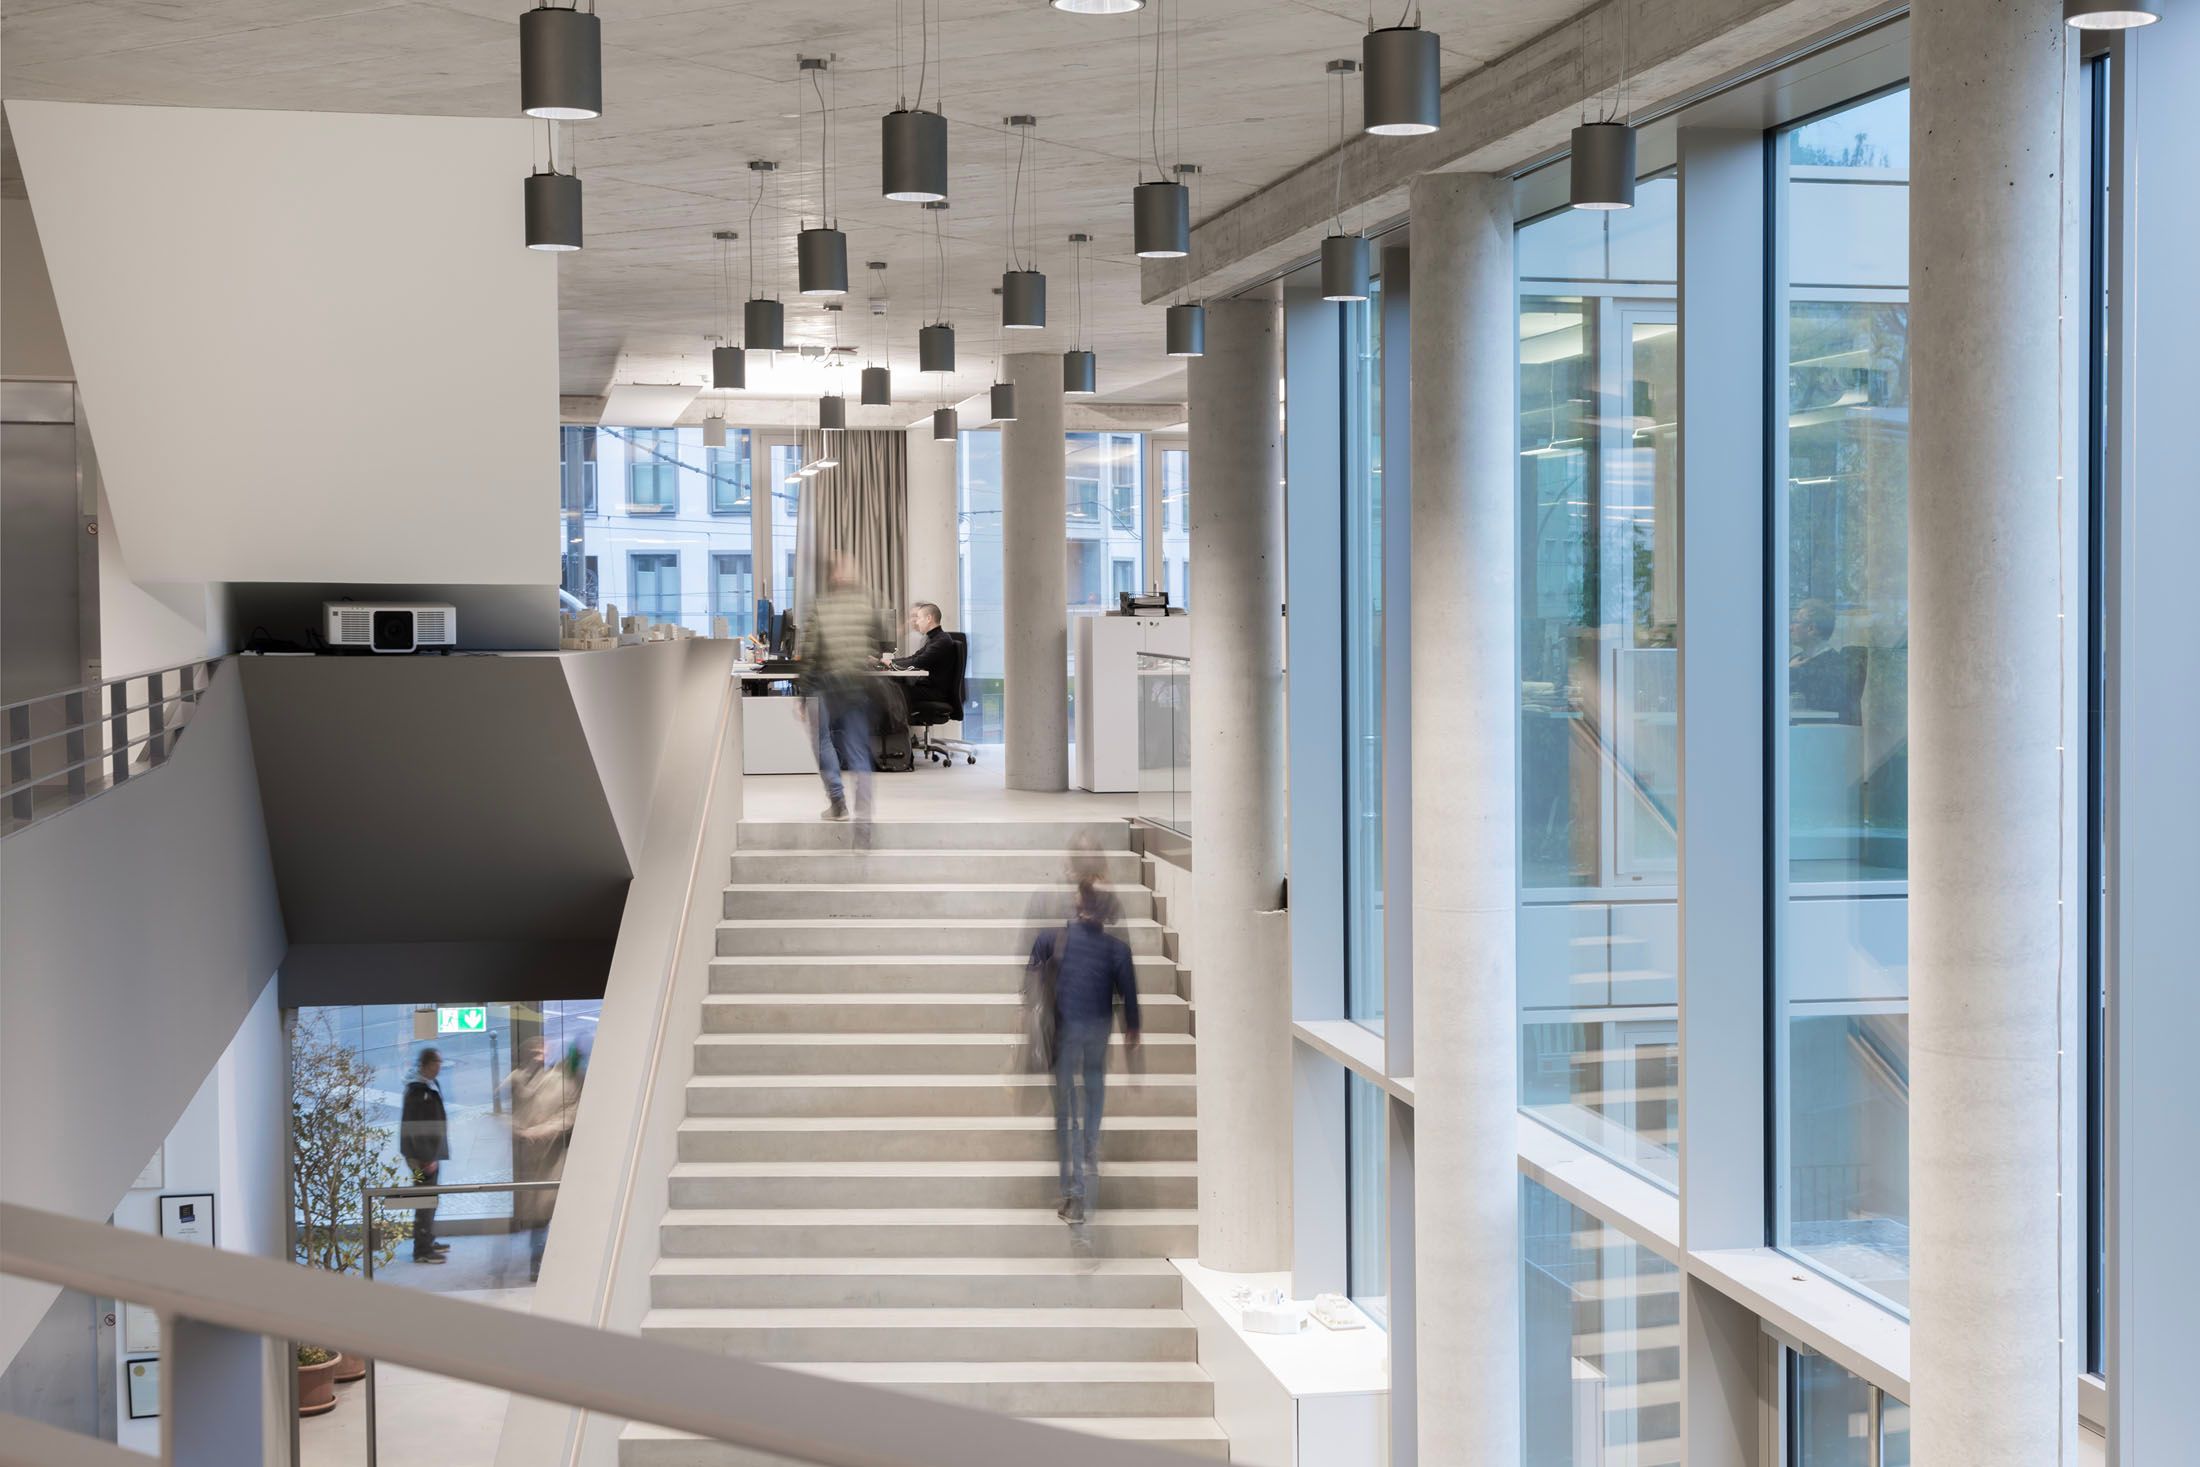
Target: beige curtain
x=861 y=507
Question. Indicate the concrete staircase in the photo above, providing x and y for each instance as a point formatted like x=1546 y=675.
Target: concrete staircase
x=862 y=1192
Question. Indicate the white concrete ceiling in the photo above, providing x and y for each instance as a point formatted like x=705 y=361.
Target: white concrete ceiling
x=695 y=88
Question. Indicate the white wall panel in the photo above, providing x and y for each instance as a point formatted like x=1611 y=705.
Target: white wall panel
x=312 y=346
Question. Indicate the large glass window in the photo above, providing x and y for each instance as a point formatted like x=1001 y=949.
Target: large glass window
x=626 y=552
x=1363 y=659
x=653 y=581
x=653 y=471
x=733 y=592
x=1176 y=524
x=729 y=474
x=1367 y=1245
x=1600 y=1341
x=786 y=500
x=1840 y=656
x=978 y=528
x=1833 y=1415
x=1104 y=493
x=1599 y=687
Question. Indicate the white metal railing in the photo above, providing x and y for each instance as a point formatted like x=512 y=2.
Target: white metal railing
x=60 y=749
x=213 y=1301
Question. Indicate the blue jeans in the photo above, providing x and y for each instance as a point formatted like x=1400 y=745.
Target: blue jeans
x=843 y=735
x=1080 y=1054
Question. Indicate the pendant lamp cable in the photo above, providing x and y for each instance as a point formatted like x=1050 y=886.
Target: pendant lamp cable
x=939 y=241
x=1336 y=200
x=754 y=203
x=1153 y=120
x=924 y=46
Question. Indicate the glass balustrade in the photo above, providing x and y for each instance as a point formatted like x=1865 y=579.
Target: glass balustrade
x=1165 y=740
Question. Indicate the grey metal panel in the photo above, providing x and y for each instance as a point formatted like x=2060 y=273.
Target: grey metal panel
x=520 y=970
x=432 y=799
x=1398 y=671
x=39 y=531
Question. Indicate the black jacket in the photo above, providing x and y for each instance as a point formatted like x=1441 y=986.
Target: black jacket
x=1095 y=971
x=936 y=660
x=423 y=1134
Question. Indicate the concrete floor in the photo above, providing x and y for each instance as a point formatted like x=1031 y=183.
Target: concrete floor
x=929 y=792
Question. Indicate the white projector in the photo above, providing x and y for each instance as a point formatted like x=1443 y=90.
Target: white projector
x=389 y=626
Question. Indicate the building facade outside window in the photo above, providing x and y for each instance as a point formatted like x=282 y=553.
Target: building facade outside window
x=729 y=477
x=653 y=470
x=1599 y=688
x=653 y=579
x=679 y=540
x=1104 y=505
x=1176 y=524
x=732 y=586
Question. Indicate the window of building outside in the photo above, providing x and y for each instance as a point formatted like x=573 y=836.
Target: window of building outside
x=1176 y=524
x=786 y=501
x=1104 y=500
x=978 y=537
x=1367 y=1207
x=640 y=559
x=1362 y=539
x=1599 y=689
x=1600 y=1320
x=732 y=589
x=1829 y=1416
x=1839 y=645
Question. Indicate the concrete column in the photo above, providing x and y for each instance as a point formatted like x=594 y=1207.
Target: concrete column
x=1466 y=695
x=1034 y=578
x=1242 y=983
x=1994 y=1344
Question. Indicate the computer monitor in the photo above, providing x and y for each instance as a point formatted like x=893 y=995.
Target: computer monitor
x=784 y=646
x=764 y=627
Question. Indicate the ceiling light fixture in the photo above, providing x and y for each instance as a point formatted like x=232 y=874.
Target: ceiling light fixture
x=1003 y=402
x=553 y=210
x=913 y=141
x=1098 y=7
x=944 y=426
x=936 y=342
x=1603 y=162
x=1344 y=253
x=878 y=379
x=729 y=365
x=832 y=413
x=1161 y=209
x=714 y=432
x=1187 y=330
x=2110 y=15
x=821 y=250
x=1023 y=288
x=561 y=63
x=1401 y=88
x=1080 y=368
x=763 y=318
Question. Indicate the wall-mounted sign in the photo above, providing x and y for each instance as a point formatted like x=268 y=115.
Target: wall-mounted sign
x=188 y=1216
x=144 y=1381
x=465 y=1019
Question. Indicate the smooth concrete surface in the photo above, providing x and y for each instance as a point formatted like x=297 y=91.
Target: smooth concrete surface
x=1245 y=1099
x=1994 y=1036
x=1465 y=753
x=978 y=791
x=1034 y=578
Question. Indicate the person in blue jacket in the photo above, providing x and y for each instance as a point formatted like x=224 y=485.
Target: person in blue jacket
x=1092 y=971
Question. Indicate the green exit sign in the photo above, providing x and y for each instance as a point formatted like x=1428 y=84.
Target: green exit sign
x=466 y=1019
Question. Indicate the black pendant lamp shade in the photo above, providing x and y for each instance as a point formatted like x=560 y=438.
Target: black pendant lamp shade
x=1161 y=221
x=1344 y=268
x=821 y=261
x=553 y=211
x=878 y=387
x=2110 y=15
x=1401 y=85
x=1187 y=327
x=1080 y=373
x=1099 y=7
x=913 y=156
x=1004 y=402
x=764 y=325
x=560 y=64
x=729 y=368
x=936 y=348
x=832 y=412
x=944 y=426
x=1023 y=300
x=1604 y=166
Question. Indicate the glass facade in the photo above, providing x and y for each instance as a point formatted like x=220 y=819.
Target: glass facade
x=978 y=536
x=1832 y=1416
x=1367 y=1247
x=1176 y=524
x=1840 y=650
x=1362 y=543
x=1599 y=577
x=1104 y=498
x=675 y=541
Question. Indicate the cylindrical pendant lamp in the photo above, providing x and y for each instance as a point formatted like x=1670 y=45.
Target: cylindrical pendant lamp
x=1004 y=402
x=2110 y=15
x=1187 y=331
x=1604 y=166
x=560 y=64
x=821 y=261
x=878 y=387
x=913 y=156
x=1161 y=221
x=1401 y=82
x=1080 y=373
x=553 y=211
x=1099 y=7
x=944 y=426
x=729 y=368
x=1344 y=268
x=832 y=412
x=714 y=432
x=1023 y=300
x=764 y=325
x=936 y=348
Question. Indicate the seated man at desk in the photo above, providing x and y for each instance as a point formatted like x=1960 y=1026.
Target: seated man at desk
x=934 y=657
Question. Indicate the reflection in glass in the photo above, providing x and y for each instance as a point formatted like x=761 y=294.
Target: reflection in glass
x=1363 y=659
x=1367 y=1256
x=978 y=531
x=1600 y=1339
x=1830 y=1418
x=1599 y=774
x=1842 y=642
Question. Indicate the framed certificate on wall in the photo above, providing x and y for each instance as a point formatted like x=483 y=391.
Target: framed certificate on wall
x=143 y=1376
x=188 y=1216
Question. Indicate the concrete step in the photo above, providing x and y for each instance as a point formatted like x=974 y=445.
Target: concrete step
x=1150 y=1094
x=918 y=1283
x=1042 y=904
x=934 y=1232
x=934 y=835
x=908 y=1054
x=1194 y=1436
x=934 y=867
x=928 y=973
x=926 y=1138
x=900 y=936
x=902 y=1013
x=929 y=1334
x=904 y=1184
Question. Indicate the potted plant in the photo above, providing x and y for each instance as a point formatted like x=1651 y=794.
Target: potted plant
x=336 y=1150
x=316 y=1380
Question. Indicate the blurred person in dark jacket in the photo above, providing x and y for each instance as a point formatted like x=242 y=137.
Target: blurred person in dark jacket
x=424 y=1140
x=1092 y=971
x=838 y=647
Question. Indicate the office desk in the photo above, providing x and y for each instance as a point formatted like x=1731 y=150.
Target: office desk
x=775 y=721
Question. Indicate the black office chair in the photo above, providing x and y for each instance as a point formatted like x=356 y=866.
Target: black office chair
x=927 y=713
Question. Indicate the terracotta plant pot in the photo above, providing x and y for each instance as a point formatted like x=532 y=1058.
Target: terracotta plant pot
x=350 y=1367
x=317 y=1388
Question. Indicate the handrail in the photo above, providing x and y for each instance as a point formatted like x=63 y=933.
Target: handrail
x=96 y=739
x=767 y=1408
x=27 y=1443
